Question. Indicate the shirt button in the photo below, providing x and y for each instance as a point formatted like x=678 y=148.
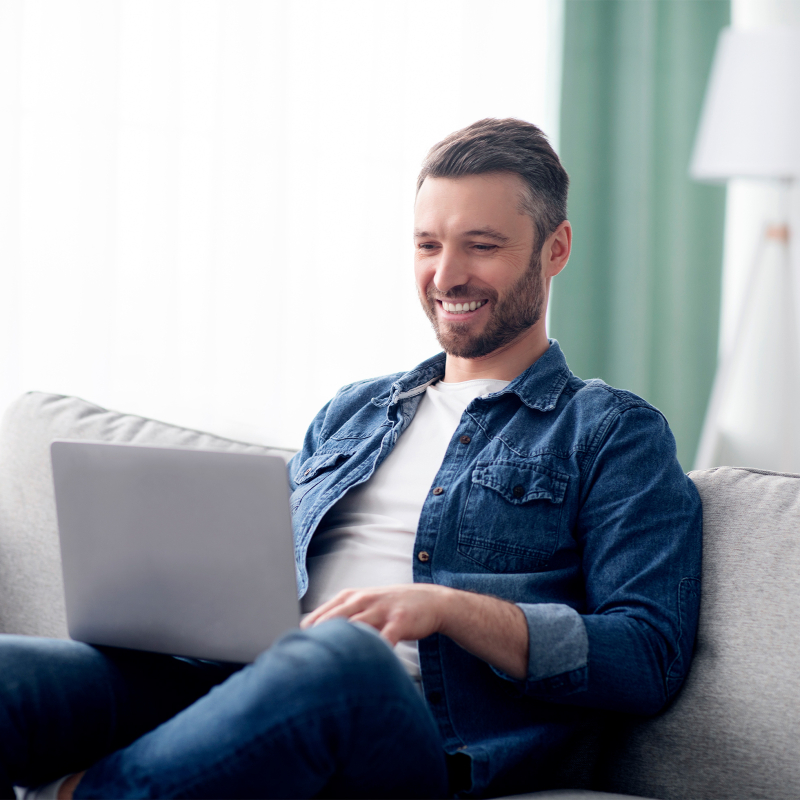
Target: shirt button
x=423 y=555
x=434 y=698
x=465 y=439
x=518 y=491
x=438 y=490
x=306 y=472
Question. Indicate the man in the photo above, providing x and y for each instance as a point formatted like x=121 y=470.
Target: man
x=525 y=541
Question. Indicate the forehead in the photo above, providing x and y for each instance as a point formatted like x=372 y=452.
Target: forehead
x=493 y=199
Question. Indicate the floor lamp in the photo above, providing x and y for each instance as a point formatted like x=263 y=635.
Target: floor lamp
x=750 y=128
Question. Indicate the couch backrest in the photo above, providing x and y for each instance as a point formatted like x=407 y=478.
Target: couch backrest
x=31 y=587
x=734 y=729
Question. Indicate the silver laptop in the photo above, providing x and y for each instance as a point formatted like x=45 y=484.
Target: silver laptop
x=173 y=550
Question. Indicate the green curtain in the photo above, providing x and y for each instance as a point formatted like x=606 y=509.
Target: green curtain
x=638 y=304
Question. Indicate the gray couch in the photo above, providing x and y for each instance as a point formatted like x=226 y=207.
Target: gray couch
x=732 y=732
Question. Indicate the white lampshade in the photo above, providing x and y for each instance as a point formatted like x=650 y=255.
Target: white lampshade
x=750 y=125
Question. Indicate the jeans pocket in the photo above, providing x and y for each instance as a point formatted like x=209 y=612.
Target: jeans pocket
x=512 y=515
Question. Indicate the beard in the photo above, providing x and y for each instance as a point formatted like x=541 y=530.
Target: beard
x=511 y=315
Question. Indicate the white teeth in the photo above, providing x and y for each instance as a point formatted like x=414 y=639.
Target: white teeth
x=462 y=308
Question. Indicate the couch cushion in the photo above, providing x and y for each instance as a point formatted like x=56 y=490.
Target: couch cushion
x=31 y=589
x=734 y=730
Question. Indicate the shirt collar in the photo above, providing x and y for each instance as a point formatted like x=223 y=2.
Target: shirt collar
x=414 y=382
x=539 y=386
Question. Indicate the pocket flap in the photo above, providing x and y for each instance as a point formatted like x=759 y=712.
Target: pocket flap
x=521 y=482
x=313 y=466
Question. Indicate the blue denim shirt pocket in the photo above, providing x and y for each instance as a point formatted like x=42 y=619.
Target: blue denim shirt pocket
x=312 y=471
x=512 y=515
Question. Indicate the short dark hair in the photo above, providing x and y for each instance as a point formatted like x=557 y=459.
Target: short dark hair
x=506 y=145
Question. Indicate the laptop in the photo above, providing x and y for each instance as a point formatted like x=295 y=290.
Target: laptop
x=175 y=550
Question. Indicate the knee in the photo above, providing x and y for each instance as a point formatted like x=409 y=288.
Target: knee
x=29 y=661
x=337 y=659
x=348 y=644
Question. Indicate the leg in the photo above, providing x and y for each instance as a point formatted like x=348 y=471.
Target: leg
x=64 y=704
x=325 y=712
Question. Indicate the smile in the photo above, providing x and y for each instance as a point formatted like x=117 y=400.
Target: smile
x=462 y=308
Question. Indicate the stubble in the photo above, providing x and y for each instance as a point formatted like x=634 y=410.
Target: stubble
x=512 y=315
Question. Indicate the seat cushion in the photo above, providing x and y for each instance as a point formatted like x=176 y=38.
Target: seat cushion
x=31 y=588
x=734 y=729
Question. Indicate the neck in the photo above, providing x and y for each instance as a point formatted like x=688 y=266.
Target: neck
x=503 y=364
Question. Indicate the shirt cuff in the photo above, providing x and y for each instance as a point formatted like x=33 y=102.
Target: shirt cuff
x=558 y=650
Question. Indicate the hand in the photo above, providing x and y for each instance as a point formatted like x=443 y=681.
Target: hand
x=492 y=629
x=398 y=613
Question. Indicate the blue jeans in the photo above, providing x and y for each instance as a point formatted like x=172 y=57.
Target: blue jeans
x=327 y=712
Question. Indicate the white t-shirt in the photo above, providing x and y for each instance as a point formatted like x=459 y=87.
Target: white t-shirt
x=367 y=538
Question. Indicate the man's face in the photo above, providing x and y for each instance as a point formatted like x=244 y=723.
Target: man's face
x=479 y=280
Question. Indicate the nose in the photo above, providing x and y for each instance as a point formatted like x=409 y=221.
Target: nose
x=451 y=270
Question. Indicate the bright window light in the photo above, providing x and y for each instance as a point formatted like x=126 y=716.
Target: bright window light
x=206 y=207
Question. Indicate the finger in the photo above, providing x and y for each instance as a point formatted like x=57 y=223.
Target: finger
x=333 y=613
x=334 y=602
x=375 y=617
x=388 y=631
x=347 y=609
x=396 y=631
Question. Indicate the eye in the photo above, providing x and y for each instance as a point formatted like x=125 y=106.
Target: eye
x=426 y=246
x=485 y=248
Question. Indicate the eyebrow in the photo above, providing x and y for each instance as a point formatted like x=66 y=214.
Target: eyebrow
x=489 y=232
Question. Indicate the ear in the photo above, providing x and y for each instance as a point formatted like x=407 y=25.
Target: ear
x=556 y=250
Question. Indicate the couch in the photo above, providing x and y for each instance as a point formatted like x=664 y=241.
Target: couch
x=733 y=731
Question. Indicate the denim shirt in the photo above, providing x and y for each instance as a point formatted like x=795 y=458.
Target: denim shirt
x=560 y=495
